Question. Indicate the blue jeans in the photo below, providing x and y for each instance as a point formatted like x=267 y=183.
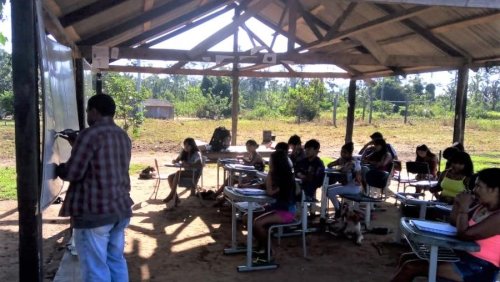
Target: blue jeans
x=336 y=189
x=100 y=251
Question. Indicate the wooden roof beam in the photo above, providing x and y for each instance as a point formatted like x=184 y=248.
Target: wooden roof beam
x=132 y=23
x=55 y=28
x=374 y=49
x=172 y=24
x=426 y=34
x=154 y=70
x=490 y=17
x=292 y=24
x=309 y=19
x=253 y=8
x=88 y=11
x=341 y=59
x=280 y=22
x=262 y=43
x=494 y=4
x=392 y=17
x=340 y=20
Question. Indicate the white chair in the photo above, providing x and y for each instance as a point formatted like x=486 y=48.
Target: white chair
x=300 y=221
x=158 y=178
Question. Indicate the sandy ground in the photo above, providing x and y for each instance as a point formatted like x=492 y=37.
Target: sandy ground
x=187 y=244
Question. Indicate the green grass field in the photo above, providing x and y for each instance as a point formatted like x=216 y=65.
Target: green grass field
x=481 y=138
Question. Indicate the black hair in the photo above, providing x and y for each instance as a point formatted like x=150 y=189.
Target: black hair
x=463 y=158
x=104 y=104
x=282 y=176
x=378 y=155
x=449 y=152
x=459 y=146
x=281 y=146
x=313 y=143
x=194 y=148
x=294 y=140
x=252 y=143
x=349 y=147
x=376 y=135
x=429 y=155
x=490 y=177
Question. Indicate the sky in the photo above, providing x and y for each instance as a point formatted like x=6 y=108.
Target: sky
x=192 y=37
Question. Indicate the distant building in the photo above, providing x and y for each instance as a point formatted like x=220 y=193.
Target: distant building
x=160 y=109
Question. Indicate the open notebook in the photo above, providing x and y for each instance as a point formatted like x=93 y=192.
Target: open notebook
x=250 y=191
x=435 y=227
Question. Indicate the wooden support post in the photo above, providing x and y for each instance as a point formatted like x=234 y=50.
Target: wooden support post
x=350 y=110
x=80 y=92
x=236 y=86
x=27 y=134
x=335 y=105
x=292 y=24
x=460 y=105
x=407 y=103
x=370 y=94
x=98 y=83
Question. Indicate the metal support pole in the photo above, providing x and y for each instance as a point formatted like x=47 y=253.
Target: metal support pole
x=350 y=110
x=27 y=134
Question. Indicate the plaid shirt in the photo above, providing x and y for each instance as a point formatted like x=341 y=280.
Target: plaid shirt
x=98 y=172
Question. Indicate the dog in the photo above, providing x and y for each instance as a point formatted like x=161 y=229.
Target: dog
x=350 y=224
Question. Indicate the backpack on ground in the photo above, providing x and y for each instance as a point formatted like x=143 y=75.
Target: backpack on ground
x=221 y=139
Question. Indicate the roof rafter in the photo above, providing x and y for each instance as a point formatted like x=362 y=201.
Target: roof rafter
x=454 y=3
x=132 y=23
x=392 y=17
x=178 y=21
x=252 y=9
x=490 y=17
x=88 y=11
x=309 y=19
x=340 y=20
x=176 y=32
x=426 y=34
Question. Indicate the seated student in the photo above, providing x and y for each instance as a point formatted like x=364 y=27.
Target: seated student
x=454 y=180
x=348 y=185
x=450 y=151
x=425 y=155
x=280 y=184
x=310 y=170
x=368 y=148
x=190 y=157
x=251 y=157
x=282 y=146
x=346 y=162
x=480 y=225
x=297 y=152
x=377 y=164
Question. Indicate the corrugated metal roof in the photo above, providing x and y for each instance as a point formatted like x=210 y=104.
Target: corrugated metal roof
x=157 y=103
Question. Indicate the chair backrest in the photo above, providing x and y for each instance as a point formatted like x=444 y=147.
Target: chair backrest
x=157 y=169
x=379 y=179
x=417 y=167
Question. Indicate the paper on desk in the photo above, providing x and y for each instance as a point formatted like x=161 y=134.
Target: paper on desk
x=240 y=166
x=435 y=227
x=250 y=191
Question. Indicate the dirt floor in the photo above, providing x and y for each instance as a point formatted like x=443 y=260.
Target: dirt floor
x=187 y=244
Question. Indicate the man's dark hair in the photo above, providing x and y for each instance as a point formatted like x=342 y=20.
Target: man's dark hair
x=252 y=143
x=281 y=146
x=376 y=135
x=103 y=103
x=313 y=143
x=294 y=140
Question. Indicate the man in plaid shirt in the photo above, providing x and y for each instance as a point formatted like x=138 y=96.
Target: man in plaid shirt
x=98 y=199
